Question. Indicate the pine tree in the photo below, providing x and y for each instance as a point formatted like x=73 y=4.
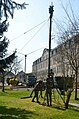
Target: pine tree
x=6 y=8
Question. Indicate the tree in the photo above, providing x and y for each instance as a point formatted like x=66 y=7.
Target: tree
x=5 y=61
x=69 y=39
x=6 y=8
x=71 y=54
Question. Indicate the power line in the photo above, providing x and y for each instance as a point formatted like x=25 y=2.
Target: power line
x=32 y=36
x=29 y=30
x=25 y=55
x=58 y=25
x=30 y=52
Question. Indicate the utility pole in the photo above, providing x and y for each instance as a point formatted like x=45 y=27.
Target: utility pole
x=51 y=14
x=25 y=62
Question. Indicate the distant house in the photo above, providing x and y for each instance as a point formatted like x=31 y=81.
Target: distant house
x=21 y=76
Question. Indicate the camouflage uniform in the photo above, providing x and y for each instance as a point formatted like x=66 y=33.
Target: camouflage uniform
x=49 y=86
x=48 y=91
x=37 y=88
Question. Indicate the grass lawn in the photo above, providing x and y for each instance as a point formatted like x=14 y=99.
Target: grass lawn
x=13 y=107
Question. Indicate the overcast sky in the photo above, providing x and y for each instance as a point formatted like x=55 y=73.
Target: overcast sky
x=29 y=29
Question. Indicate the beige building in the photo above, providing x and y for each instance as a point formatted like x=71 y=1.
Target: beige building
x=63 y=59
x=40 y=66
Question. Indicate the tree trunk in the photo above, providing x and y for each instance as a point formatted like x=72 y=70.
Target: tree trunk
x=3 y=83
x=68 y=99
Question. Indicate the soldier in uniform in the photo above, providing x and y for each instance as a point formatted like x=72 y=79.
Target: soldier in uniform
x=48 y=91
x=51 y=73
x=37 y=88
x=49 y=86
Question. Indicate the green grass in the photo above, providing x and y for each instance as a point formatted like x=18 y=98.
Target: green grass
x=13 y=107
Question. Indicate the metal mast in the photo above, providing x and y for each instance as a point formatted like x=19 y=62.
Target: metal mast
x=51 y=14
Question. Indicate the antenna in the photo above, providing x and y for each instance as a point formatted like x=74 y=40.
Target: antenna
x=51 y=3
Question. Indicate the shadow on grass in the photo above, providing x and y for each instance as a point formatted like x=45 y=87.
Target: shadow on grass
x=14 y=113
x=76 y=109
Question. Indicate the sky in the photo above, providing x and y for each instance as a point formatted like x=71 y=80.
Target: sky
x=28 y=31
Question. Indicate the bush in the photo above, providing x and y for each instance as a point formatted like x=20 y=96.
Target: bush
x=13 y=81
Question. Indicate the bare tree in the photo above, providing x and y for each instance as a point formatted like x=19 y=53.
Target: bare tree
x=70 y=46
x=15 y=67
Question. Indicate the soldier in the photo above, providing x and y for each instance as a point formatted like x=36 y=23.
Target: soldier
x=49 y=86
x=37 y=88
x=52 y=78
x=48 y=91
x=51 y=73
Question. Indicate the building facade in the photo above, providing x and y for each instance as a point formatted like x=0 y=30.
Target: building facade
x=40 y=66
x=64 y=60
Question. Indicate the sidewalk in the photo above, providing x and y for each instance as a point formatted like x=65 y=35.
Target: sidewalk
x=74 y=105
